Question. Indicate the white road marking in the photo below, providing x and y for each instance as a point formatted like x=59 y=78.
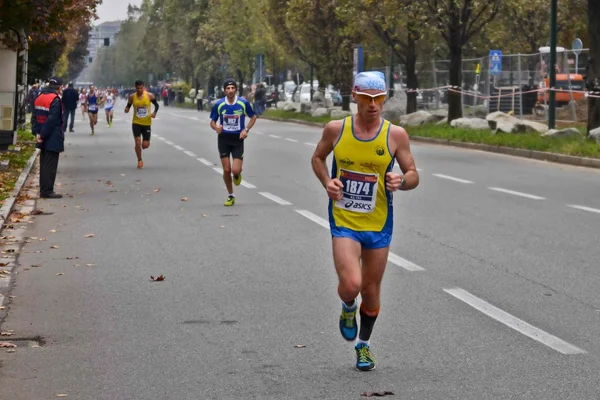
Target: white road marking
x=178 y=147
x=310 y=144
x=515 y=323
x=169 y=142
x=452 y=178
x=219 y=170
x=275 y=198
x=529 y=196
x=401 y=262
x=248 y=185
x=160 y=138
x=584 y=208
x=194 y=118
x=189 y=153
x=204 y=161
x=275 y=136
x=257 y=132
x=292 y=140
x=314 y=218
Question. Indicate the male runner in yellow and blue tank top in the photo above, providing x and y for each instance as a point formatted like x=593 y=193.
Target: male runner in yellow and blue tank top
x=142 y=118
x=360 y=188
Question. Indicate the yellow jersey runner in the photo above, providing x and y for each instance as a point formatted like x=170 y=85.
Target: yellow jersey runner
x=141 y=110
x=361 y=165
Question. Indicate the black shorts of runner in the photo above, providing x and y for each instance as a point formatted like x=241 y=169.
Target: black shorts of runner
x=230 y=144
x=141 y=130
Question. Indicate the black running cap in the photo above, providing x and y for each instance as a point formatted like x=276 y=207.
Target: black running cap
x=229 y=82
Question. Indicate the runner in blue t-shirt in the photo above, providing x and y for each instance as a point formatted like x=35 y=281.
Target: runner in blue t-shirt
x=231 y=112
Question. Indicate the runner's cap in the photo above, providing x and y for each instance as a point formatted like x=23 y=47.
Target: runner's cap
x=229 y=82
x=369 y=80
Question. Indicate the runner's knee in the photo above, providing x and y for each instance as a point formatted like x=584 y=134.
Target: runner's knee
x=145 y=145
x=349 y=286
x=227 y=170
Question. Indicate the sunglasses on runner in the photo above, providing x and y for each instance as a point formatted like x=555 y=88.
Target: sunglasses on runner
x=366 y=98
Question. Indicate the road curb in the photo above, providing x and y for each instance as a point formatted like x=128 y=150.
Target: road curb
x=9 y=203
x=511 y=151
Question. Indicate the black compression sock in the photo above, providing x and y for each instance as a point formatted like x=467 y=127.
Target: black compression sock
x=366 y=325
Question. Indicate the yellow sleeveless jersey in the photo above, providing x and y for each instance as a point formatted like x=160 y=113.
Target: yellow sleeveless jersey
x=361 y=166
x=141 y=110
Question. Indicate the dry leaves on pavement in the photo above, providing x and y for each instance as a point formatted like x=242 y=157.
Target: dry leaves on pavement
x=89 y=235
x=377 y=394
x=184 y=199
x=158 y=278
x=54 y=247
x=7 y=345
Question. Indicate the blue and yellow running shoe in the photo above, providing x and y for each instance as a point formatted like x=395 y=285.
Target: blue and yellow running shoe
x=364 y=358
x=348 y=325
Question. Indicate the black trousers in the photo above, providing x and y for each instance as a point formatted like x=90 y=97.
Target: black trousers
x=48 y=168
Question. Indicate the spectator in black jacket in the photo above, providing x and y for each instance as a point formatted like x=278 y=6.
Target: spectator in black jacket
x=47 y=125
x=70 y=98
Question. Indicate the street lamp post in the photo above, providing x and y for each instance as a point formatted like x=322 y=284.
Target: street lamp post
x=552 y=110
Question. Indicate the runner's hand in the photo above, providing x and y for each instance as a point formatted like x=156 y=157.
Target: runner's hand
x=153 y=115
x=334 y=189
x=219 y=129
x=126 y=110
x=393 y=181
x=244 y=134
x=39 y=138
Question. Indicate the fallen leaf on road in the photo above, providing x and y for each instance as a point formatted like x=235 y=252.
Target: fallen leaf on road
x=60 y=273
x=37 y=212
x=7 y=333
x=54 y=247
x=377 y=394
x=35 y=346
x=299 y=346
x=72 y=258
x=184 y=199
x=91 y=265
x=204 y=215
x=3 y=264
x=2 y=308
x=11 y=351
x=35 y=266
x=43 y=239
x=61 y=395
x=222 y=226
x=158 y=278
x=89 y=235
x=156 y=190
x=52 y=230
x=7 y=345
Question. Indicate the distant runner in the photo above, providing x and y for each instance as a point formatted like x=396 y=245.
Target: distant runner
x=231 y=113
x=142 y=118
x=92 y=107
x=109 y=103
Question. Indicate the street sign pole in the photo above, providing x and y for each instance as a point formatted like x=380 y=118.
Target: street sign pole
x=552 y=109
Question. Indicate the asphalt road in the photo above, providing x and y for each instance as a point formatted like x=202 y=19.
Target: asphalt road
x=491 y=291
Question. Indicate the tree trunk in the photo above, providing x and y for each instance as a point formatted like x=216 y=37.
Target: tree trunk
x=593 y=67
x=412 y=80
x=454 y=98
x=240 y=75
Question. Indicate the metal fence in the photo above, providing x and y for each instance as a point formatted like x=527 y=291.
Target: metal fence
x=521 y=88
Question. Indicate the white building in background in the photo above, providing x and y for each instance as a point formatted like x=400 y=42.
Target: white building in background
x=97 y=35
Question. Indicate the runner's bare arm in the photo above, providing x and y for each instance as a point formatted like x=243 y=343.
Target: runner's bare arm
x=331 y=133
x=404 y=157
x=251 y=123
x=153 y=101
x=129 y=103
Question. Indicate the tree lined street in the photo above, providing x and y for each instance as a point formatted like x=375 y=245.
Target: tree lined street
x=245 y=285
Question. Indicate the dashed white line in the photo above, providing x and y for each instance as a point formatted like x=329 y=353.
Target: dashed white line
x=529 y=196
x=515 y=323
x=291 y=140
x=314 y=218
x=401 y=262
x=178 y=147
x=248 y=185
x=276 y=199
x=194 y=118
x=257 y=132
x=584 y=208
x=161 y=138
x=204 y=161
x=310 y=144
x=275 y=136
x=169 y=142
x=452 y=178
x=219 y=170
x=189 y=153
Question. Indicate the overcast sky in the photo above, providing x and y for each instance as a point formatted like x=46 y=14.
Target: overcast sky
x=112 y=10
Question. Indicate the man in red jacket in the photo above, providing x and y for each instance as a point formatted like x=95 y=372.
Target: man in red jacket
x=47 y=125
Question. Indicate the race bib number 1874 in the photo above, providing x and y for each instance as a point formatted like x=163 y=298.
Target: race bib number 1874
x=359 y=193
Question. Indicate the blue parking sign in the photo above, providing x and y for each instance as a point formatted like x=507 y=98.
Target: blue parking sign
x=495 y=62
